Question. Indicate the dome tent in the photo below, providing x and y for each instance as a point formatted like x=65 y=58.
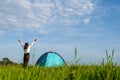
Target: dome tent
x=50 y=59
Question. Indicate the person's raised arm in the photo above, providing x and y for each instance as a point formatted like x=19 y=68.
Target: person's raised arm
x=22 y=44
x=33 y=42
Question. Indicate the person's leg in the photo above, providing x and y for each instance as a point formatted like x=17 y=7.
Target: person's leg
x=27 y=59
x=24 y=61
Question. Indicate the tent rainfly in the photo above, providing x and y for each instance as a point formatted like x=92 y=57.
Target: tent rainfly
x=50 y=59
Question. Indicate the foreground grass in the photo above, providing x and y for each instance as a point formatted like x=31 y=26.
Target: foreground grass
x=76 y=72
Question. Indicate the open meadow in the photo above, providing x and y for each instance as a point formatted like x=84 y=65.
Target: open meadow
x=106 y=70
x=73 y=72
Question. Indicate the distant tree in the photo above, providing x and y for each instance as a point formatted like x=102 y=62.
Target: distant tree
x=6 y=61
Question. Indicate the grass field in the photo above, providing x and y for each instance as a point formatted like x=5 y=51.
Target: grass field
x=75 y=72
x=107 y=70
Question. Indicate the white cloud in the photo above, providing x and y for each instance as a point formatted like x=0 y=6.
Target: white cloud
x=1 y=32
x=87 y=20
x=33 y=15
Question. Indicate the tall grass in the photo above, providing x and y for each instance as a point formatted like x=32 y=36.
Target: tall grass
x=109 y=59
x=76 y=59
x=76 y=72
x=106 y=71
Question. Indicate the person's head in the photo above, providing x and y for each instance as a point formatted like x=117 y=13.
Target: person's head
x=26 y=45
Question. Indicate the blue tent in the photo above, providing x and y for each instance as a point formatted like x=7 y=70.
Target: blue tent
x=50 y=59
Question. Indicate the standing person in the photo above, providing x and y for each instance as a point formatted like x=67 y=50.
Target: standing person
x=26 y=48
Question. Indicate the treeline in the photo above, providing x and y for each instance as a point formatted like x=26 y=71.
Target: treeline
x=7 y=61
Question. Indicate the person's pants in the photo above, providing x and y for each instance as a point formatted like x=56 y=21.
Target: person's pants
x=26 y=59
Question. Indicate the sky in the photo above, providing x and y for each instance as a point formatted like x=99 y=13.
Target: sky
x=91 y=26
